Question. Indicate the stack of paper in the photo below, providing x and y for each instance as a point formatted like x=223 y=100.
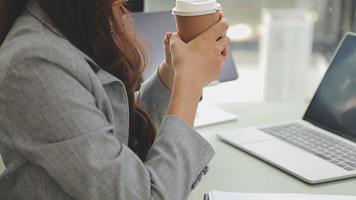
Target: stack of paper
x=215 y=195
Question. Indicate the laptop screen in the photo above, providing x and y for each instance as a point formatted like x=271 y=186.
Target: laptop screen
x=333 y=107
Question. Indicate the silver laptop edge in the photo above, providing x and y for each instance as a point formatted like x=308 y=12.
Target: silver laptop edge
x=227 y=140
x=261 y=145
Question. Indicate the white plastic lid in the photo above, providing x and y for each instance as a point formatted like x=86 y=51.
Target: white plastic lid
x=195 y=7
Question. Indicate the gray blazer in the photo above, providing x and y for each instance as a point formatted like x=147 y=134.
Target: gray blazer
x=64 y=128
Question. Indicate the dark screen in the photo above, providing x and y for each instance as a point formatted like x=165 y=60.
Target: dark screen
x=334 y=105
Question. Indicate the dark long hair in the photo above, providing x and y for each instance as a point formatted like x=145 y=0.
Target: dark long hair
x=102 y=30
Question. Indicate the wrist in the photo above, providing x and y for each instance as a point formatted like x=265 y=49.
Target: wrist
x=185 y=98
x=189 y=84
x=166 y=74
x=189 y=88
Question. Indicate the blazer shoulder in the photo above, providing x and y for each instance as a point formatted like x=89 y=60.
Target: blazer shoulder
x=29 y=39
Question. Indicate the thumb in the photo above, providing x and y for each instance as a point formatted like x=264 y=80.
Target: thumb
x=167 y=38
x=175 y=39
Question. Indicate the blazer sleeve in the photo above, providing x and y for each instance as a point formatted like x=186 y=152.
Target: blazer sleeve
x=54 y=122
x=155 y=97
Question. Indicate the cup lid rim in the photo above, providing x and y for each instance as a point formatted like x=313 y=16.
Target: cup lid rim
x=190 y=13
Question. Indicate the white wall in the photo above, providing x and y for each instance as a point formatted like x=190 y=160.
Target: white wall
x=158 y=5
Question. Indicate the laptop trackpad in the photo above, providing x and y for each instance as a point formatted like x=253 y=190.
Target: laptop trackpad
x=246 y=136
x=294 y=160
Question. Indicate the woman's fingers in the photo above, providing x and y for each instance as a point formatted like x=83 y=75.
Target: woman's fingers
x=167 y=37
x=223 y=43
x=175 y=40
x=226 y=52
x=221 y=15
x=167 y=49
x=217 y=30
x=224 y=48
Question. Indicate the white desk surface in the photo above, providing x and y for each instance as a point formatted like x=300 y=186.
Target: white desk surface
x=235 y=171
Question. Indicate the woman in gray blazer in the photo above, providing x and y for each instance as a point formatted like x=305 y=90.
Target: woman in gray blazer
x=74 y=123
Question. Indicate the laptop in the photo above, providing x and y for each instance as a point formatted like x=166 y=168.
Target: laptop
x=321 y=147
x=152 y=27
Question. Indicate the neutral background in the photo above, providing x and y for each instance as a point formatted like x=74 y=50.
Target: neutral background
x=332 y=20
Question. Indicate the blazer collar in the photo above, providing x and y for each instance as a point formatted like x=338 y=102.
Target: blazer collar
x=34 y=9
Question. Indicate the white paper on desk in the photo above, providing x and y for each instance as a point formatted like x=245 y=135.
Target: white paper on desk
x=215 y=195
x=208 y=114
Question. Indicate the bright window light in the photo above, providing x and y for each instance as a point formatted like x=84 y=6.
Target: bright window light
x=240 y=32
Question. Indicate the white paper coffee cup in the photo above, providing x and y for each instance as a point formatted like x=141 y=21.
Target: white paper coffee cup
x=195 y=7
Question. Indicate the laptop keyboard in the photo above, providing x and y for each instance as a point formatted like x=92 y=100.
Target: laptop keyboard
x=321 y=145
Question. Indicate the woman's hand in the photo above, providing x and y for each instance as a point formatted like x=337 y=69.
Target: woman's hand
x=200 y=60
x=166 y=71
x=196 y=64
x=167 y=50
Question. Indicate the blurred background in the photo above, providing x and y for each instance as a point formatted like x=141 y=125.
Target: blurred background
x=282 y=48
